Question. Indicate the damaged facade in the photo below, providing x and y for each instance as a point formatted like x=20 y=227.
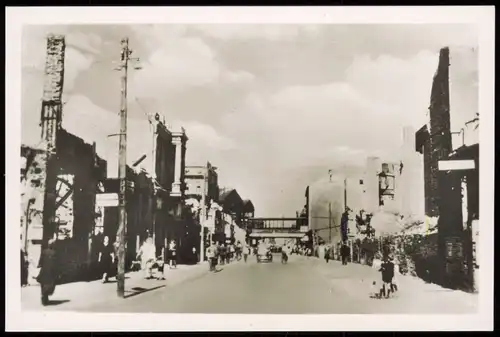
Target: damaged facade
x=64 y=179
x=443 y=189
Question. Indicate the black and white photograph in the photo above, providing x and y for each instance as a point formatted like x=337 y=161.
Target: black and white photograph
x=251 y=168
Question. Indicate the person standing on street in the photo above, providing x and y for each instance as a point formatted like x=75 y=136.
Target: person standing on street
x=284 y=254
x=239 y=250
x=24 y=269
x=246 y=252
x=194 y=255
x=344 y=253
x=232 y=252
x=222 y=254
x=106 y=260
x=327 y=253
x=162 y=261
x=172 y=249
x=387 y=270
x=212 y=257
x=49 y=272
x=147 y=254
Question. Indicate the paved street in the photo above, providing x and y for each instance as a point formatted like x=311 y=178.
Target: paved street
x=304 y=285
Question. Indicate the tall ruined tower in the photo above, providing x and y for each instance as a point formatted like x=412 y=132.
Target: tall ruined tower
x=51 y=114
x=439 y=133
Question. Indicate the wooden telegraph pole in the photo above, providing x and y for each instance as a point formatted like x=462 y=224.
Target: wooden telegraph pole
x=203 y=217
x=122 y=171
x=330 y=222
x=122 y=168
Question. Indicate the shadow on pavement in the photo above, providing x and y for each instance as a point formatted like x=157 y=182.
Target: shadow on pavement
x=139 y=290
x=57 y=302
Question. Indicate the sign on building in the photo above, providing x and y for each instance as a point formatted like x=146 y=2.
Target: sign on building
x=107 y=200
x=453 y=165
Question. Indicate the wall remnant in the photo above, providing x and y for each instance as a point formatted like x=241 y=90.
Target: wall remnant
x=51 y=123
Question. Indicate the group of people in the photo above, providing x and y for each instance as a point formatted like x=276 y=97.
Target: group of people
x=149 y=259
x=225 y=253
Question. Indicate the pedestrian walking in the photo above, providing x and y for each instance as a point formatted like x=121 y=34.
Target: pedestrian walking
x=106 y=260
x=49 y=272
x=161 y=262
x=232 y=252
x=24 y=269
x=344 y=253
x=212 y=257
x=327 y=253
x=172 y=249
x=387 y=270
x=239 y=250
x=247 y=250
x=147 y=255
x=194 y=255
x=394 y=283
x=284 y=254
x=222 y=254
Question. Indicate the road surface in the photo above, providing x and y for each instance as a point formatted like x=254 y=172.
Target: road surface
x=304 y=285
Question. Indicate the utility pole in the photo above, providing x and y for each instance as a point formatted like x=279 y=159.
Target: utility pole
x=330 y=222
x=345 y=192
x=203 y=217
x=122 y=170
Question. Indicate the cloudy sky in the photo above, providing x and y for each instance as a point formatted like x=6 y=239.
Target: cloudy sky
x=273 y=106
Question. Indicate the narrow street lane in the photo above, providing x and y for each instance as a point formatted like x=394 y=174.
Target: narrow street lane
x=304 y=285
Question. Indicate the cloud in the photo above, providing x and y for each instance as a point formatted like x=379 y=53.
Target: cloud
x=206 y=136
x=179 y=62
x=273 y=106
x=79 y=54
x=361 y=114
x=251 y=31
x=336 y=124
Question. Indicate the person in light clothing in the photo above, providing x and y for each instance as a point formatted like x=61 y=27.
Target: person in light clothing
x=172 y=249
x=147 y=254
x=212 y=256
x=247 y=250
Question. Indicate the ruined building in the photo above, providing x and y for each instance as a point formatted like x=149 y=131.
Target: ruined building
x=434 y=139
x=443 y=196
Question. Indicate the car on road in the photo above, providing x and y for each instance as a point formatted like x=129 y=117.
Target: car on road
x=264 y=254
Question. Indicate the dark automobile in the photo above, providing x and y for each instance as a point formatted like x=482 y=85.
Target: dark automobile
x=264 y=254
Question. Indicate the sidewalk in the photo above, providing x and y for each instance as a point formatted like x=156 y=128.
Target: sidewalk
x=76 y=295
x=413 y=295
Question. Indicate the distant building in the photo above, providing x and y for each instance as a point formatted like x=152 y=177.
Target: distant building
x=202 y=180
x=248 y=209
x=233 y=210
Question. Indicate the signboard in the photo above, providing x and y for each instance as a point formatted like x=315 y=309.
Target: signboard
x=454 y=165
x=454 y=248
x=107 y=200
x=277 y=235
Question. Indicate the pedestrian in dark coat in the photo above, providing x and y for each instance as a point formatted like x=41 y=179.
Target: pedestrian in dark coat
x=344 y=252
x=106 y=260
x=222 y=254
x=49 y=272
x=387 y=270
x=24 y=269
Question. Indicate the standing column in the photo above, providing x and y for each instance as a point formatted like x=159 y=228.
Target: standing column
x=154 y=175
x=176 y=186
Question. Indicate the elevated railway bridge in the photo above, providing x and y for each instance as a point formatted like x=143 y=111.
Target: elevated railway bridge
x=273 y=228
